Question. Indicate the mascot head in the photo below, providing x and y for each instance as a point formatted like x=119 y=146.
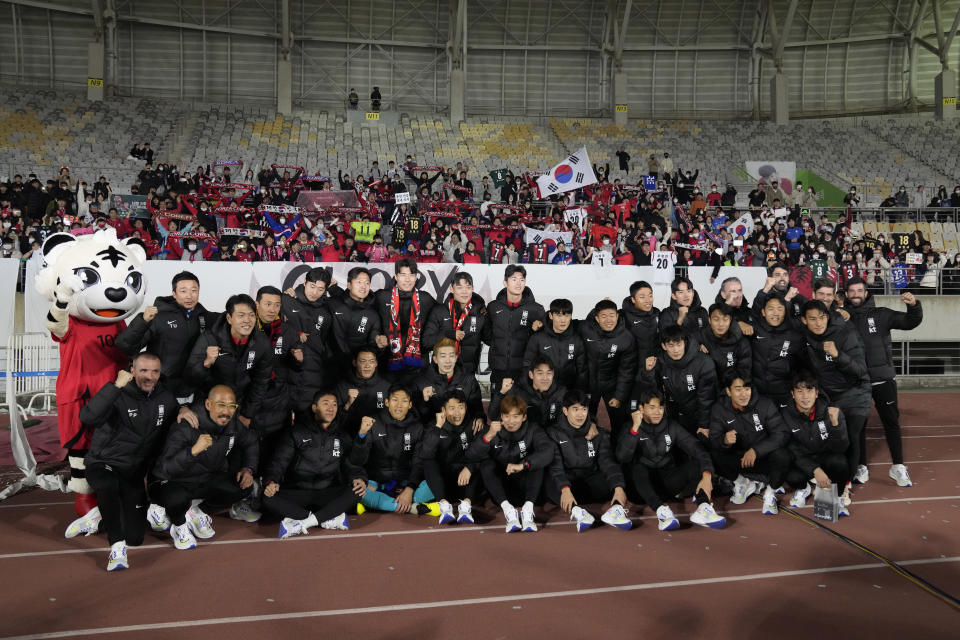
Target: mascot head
x=100 y=274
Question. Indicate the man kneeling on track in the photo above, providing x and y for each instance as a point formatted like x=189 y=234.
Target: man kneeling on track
x=129 y=422
x=818 y=440
x=312 y=461
x=443 y=454
x=748 y=442
x=195 y=469
x=658 y=472
x=584 y=468
x=512 y=461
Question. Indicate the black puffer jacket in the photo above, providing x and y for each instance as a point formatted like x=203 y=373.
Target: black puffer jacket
x=356 y=324
x=813 y=436
x=874 y=323
x=371 y=396
x=645 y=328
x=689 y=383
x=528 y=445
x=244 y=367
x=128 y=426
x=542 y=407
x=309 y=456
x=448 y=445
x=476 y=327
x=388 y=449
x=565 y=350
x=511 y=330
x=775 y=352
x=729 y=352
x=313 y=320
x=462 y=381
x=758 y=426
x=844 y=379
x=384 y=300
x=611 y=358
x=696 y=318
x=657 y=446
x=576 y=457
x=177 y=462
x=171 y=335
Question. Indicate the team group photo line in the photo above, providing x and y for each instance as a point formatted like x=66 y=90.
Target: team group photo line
x=307 y=407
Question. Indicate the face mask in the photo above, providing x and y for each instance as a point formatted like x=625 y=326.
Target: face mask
x=282 y=220
x=6 y=224
x=192 y=247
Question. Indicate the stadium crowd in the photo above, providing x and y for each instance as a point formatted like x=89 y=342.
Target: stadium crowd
x=325 y=400
x=213 y=214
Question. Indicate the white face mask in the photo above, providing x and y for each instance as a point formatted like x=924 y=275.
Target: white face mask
x=6 y=224
x=192 y=247
x=282 y=220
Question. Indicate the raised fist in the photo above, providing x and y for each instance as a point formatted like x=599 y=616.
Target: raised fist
x=150 y=313
x=123 y=377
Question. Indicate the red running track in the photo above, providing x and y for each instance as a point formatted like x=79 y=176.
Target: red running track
x=404 y=577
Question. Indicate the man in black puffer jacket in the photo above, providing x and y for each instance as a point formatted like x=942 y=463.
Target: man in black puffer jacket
x=561 y=345
x=775 y=351
x=169 y=329
x=514 y=316
x=356 y=319
x=275 y=411
x=685 y=308
x=307 y=328
x=834 y=353
x=611 y=361
x=232 y=353
x=443 y=375
x=363 y=392
x=874 y=323
x=404 y=310
x=540 y=389
x=724 y=342
x=130 y=418
x=310 y=480
x=642 y=320
x=198 y=465
x=463 y=318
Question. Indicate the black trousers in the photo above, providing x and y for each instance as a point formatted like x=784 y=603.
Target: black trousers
x=772 y=468
x=123 y=503
x=323 y=503
x=618 y=415
x=833 y=464
x=587 y=488
x=442 y=481
x=856 y=430
x=885 y=400
x=516 y=489
x=654 y=485
x=218 y=492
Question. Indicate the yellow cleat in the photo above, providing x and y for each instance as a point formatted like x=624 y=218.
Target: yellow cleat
x=361 y=509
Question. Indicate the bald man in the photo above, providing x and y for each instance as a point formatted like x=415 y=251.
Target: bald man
x=199 y=464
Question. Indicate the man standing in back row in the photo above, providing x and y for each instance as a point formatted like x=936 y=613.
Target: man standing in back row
x=874 y=323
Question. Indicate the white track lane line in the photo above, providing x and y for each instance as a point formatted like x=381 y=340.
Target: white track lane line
x=439 y=604
x=332 y=537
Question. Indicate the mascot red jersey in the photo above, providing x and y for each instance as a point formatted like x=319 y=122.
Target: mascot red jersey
x=94 y=283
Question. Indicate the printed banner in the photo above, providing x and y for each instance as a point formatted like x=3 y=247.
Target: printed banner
x=766 y=171
x=130 y=206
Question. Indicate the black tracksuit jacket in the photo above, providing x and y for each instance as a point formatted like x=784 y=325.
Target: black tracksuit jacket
x=874 y=323
x=576 y=457
x=689 y=383
x=388 y=450
x=758 y=426
x=528 y=445
x=565 y=350
x=611 y=358
x=308 y=456
x=476 y=328
x=177 y=462
x=656 y=446
x=813 y=436
x=511 y=328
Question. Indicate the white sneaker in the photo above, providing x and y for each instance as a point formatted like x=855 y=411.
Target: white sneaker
x=464 y=513
x=201 y=525
x=616 y=516
x=844 y=510
x=446 y=512
x=770 y=502
x=581 y=515
x=244 y=511
x=862 y=476
x=666 y=521
x=705 y=516
x=118 y=557
x=182 y=537
x=85 y=524
x=526 y=518
x=743 y=488
x=799 y=499
x=290 y=527
x=899 y=473
x=338 y=523
x=513 y=521
x=157 y=517
x=845 y=496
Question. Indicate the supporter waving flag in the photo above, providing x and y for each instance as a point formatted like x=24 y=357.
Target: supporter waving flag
x=573 y=172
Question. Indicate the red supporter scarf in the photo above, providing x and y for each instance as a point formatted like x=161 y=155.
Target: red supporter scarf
x=458 y=321
x=404 y=351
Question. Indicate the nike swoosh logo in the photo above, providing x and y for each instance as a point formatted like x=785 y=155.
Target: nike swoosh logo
x=642 y=439
x=499 y=311
x=444 y=437
x=382 y=435
x=498 y=446
x=307 y=440
x=730 y=421
x=564 y=441
x=590 y=340
x=546 y=347
x=794 y=430
x=294 y=310
x=337 y=313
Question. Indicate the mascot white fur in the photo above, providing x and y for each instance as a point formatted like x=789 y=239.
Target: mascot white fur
x=94 y=283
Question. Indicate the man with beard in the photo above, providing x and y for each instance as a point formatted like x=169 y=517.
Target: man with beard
x=835 y=355
x=559 y=343
x=196 y=467
x=356 y=322
x=874 y=324
x=129 y=422
x=685 y=309
x=169 y=328
x=362 y=392
x=778 y=284
x=463 y=318
x=404 y=310
x=611 y=361
x=775 y=352
x=310 y=480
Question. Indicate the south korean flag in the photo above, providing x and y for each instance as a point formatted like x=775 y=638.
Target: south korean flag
x=571 y=173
